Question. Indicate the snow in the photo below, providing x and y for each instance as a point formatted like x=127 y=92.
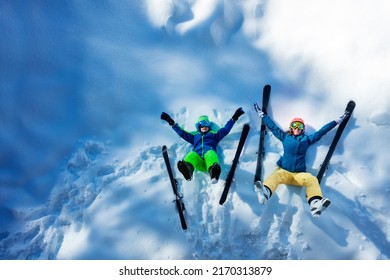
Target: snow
x=83 y=85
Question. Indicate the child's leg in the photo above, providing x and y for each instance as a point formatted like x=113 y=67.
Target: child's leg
x=210 y=158
x=212 y=165
x=196 y=161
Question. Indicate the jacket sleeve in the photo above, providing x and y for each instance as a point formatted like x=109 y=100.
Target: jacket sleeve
x=183 y=134
x=222 y=132
x=279 y=133
x=324 y=130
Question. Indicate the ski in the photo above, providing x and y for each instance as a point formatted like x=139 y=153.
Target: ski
x=350 y=107
x=178 y=198
x=230 y=176
x=261 y=152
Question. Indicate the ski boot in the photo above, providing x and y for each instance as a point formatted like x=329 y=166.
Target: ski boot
x=215 y=171
x=186 y=169
x=317 y=206
x=263 y=192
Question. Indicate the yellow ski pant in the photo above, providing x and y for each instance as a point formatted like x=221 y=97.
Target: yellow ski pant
x=302 y=179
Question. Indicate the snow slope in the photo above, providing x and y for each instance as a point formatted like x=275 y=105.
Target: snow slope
x=82 y=89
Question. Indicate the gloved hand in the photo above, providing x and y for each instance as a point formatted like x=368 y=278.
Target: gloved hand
x=342 y=118
x=167 y=118
x=237 y=114
x=258 y=110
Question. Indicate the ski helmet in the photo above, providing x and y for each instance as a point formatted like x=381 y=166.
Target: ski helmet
x=297 y=120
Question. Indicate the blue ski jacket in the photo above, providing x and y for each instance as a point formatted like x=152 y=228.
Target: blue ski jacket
x=295 y=147
x=203 y=142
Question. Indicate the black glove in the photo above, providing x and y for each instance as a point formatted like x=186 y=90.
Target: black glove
x=167 y=118
x=237 y=114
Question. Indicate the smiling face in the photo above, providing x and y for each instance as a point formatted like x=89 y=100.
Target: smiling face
x=296 y=131
x=204 y=129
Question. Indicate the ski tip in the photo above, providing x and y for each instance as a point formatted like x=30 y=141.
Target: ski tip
x=267 y=91
x=351 y=106
x=222 y=199
x=164 y=148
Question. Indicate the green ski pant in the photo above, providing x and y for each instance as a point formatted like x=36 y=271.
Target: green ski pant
x=202 y=164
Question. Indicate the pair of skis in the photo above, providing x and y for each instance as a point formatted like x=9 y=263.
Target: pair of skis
x=229 y=178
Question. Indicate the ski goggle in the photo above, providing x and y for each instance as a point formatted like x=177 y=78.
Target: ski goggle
x=204 y=123
x=298 y=125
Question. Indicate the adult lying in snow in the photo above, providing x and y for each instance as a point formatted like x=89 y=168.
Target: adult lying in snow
x=291 y=165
